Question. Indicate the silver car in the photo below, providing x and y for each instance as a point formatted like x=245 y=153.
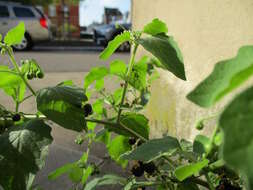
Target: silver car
x=36 y=23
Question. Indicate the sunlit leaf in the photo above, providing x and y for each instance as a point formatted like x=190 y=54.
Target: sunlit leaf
x=118 y=146
x=185 y=171
x=226 y=76
x=96 y=73
x=15 y=35
x=155 y=27
x=114 y=44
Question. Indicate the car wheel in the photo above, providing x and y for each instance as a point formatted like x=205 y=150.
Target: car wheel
x=26 y=43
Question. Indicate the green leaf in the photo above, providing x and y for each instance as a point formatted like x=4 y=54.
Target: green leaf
x=99 y=84
x=60 y=171
x=105 y=180
x=187 y=185
x=63 y=105
x=165 y=49
x=76 y=174
x=201 y=145
x=236 y=122
x=155 y=27
x=118 y=68
x=114 y=44
x=12 y=84
x=183 y=172
x=226 y=76
x=96 y=73
x=15 y=35
x=118 y=146
x=23 y=150
x=138 y=76
x=153 y=149
x=87 y=173
x=133 y=121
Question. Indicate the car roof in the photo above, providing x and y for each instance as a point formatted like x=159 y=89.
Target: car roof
x=6 y=3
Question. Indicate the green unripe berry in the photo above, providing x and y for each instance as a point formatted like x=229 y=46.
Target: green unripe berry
x=39 y=74
x=200 y=125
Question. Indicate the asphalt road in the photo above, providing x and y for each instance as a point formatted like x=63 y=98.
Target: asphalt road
x=59 y=65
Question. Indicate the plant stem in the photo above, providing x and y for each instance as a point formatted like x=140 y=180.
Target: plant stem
x=128 y=75
x=101 y=122
x=17 y=106
x=212 y=139
x=13 y=61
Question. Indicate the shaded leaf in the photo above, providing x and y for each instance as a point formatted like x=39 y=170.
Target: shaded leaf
x=153 y=149
x=86 y=174
x=60 y=102
x=201 y=145
x=236 y=122
x=226 y=76
x=155 y=27
x=23 y=150
x=105 y=180
x=133 y=121
x=114 y=44
x=165 y=49
x=15 y=35
x=183 y=172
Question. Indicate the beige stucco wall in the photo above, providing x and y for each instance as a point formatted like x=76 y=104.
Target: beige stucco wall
x=206 y=31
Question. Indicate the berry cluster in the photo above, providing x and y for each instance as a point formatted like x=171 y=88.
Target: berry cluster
x=139 y=168
x=87 y=110
x=31 y=69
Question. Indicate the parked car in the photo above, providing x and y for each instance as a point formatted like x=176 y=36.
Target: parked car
x=105 y=33
x=36 y=23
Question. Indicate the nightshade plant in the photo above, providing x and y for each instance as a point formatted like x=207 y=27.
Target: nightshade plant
x=223 y=161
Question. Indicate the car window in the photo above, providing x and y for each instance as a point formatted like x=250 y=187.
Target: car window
x=23 y=12
x=4 y=11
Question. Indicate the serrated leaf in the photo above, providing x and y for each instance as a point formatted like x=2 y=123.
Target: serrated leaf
x=155 y=27
x=96 y=73
x=165 y=49
x=183 y=172
x=60 y=102
x=201 y=145
x=118 y=146
x=114 y=44
x=61 y=170
x=23 y=150
x=226 y=76
x=236 y=122
x=118 y=68
x=133 y=121
x=105 y=180
x=153 y=149
x=15 y=35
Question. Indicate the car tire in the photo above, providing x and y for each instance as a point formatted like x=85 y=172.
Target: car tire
x=25 y=45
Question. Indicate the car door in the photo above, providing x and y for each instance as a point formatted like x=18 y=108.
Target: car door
x=5 y=19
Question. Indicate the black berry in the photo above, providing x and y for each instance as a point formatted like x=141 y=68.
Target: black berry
x=29 y=76
x=137 y=170
x=87 y=110
x=16 y=117
x=149 y=167
x=131 y=141
x=39 y=74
